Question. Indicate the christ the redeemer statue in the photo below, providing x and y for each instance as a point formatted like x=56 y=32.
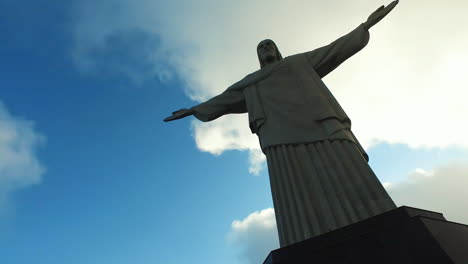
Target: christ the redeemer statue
x=319 y=175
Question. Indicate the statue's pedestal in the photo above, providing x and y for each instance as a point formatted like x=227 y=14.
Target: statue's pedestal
x=401 y=236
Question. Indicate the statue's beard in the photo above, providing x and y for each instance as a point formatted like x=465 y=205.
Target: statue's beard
x=269 y=59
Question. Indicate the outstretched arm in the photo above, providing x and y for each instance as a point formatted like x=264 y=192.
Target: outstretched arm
x=327 y=58
x=230 y=101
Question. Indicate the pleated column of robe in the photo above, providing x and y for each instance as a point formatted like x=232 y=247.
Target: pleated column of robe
x=322 y=186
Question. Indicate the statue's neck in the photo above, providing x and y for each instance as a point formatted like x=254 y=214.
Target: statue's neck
x=270 y=60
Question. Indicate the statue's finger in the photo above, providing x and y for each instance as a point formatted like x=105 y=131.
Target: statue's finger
x=393 y=4
x=390 y=7
x=169 y=118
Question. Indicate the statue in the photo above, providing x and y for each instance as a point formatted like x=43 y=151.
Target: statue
x=319 y=175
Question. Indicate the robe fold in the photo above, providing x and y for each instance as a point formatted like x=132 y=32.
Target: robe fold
x=318 y=171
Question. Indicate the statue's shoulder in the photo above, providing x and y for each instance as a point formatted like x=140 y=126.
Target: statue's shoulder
x=296 y=57
x=248 y=80
x=251 y=78
x=261 y=74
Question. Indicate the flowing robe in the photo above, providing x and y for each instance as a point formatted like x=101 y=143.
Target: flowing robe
x=318 y=171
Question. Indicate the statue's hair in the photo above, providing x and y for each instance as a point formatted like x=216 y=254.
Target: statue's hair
x=278 y=54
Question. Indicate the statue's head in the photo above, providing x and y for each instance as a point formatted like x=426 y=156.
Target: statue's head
x=268 y=52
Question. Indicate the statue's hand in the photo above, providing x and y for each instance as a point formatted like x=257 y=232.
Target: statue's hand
x=379 y=14
x=179 y=114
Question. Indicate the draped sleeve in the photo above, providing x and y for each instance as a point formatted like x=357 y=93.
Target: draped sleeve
x=327 y=58
x=231 y=101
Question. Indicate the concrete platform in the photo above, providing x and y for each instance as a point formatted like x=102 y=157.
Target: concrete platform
x=402 y=236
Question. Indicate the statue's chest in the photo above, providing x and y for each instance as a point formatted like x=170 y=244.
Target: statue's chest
x=283 y=87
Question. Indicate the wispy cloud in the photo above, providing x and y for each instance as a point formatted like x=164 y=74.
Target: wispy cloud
x=133 y=54
x=407 y=86
x=19 y=165
x=109 y=43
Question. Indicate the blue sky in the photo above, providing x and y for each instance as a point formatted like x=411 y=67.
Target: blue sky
x=89 y=173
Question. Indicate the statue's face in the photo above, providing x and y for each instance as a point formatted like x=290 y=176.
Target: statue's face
x=267 y=51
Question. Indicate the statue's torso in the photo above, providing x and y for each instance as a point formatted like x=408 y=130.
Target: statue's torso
x=292 y=105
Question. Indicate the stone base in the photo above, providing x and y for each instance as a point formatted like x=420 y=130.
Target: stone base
x=402 y=236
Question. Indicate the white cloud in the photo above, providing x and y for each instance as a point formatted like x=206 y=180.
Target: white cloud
x=407 y=86
x=257 y=161
x=387 y=185
x=19 y=166
x=255 y=236
x=442 y=189
x=224 y=134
